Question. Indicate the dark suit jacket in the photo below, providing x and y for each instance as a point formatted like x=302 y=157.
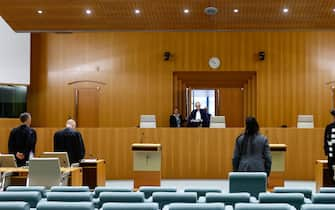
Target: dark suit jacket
x=173 y=121
x=70 y=141
x=329 y=147
x=204 y=117
x=22 y=139
x=254 y=157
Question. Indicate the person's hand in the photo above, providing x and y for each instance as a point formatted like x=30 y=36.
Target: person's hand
x=20 y=155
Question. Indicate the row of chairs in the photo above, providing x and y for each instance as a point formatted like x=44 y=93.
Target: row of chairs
x=149 y=121
x=103 y=197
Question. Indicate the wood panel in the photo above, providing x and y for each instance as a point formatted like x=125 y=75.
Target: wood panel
x=9 y=122
x=289 y=81
x=231 y=102
x=195 y=153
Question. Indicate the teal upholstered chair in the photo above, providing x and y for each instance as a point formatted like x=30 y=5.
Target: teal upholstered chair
x=32 y=198
x=149 y=190
x=14 y=205
x=70 y=196
x=99 y=190
x=263 y=206
x=323 y=198
x=130 y=206
x=164 y=198
x=307 y=192
x=65 y=206
x=120 y=197
x=69 y=189
x=196 y=206
x=294 y=199
x=251 y=182
x=318 y=207
x=40 y=189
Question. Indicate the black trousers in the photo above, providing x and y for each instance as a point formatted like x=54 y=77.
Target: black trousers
x=331 y=162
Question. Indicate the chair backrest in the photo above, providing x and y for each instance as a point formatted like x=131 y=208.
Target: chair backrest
x=7 y=160
x=149 y=190
x=218 y=122
x=70 y=189
x=32 y=198
x=305 y=121
x=203 y=191
x=318 y=207
x=121 y=197
x=294 y=199
x=323 y=198
x=14 y=205
x=62 y=156
x=44 y=172
x=164 y=198
x=99 y=190
x=130 y=206
x=196 y=206
x=251 y=182
x=69 y=196
x=148 y=121
x=263 y=206
x=65 y=206
x=307 y=192
x=327 y=189
x=228 y=198
x=40 y=189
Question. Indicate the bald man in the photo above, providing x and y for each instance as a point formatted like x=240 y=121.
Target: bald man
x=69 y=140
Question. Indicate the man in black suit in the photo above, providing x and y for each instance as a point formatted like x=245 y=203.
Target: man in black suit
x=69 y=140
x=22 y=140
x=198 y=117
x=329 y=145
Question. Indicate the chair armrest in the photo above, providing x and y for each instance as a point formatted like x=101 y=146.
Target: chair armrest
x=253 y=200
x=307 y=201
x=201 y=199
x=229 y=208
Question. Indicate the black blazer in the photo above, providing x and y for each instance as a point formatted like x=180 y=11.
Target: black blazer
x=204 y=117
x=70 y=141
x=173 y=121
x=22 y=139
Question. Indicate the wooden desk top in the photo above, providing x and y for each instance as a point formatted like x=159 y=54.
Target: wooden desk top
x=278 y=147
x=26 y=170
x=321 y=161
x=146 y=147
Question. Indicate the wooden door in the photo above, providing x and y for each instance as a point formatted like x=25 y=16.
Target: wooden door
x=87 y=107
x=230 y=104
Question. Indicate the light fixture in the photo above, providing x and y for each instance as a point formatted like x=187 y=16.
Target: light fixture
x=88 y=11
x=39 y=11
x=186 y=11
x=285 y=10
x=236 y=10
x=334 y=10
x=137 y=11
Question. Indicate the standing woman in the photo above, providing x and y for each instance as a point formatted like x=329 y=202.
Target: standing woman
x=252 y=151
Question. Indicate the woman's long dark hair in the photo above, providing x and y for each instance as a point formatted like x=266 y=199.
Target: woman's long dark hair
x=251 y=129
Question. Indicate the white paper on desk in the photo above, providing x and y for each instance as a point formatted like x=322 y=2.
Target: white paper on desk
x=88 y=160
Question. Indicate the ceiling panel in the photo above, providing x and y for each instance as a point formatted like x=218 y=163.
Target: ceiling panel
x=64 y=15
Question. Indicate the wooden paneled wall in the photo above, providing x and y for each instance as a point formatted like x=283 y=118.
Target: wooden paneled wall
x=187 y=152
x=290 y=81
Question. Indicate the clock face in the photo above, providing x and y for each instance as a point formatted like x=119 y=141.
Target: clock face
x=214 y=62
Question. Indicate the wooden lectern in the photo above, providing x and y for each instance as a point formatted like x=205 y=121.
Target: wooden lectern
x=277 y=175
x=146 y=165
x=322 y=177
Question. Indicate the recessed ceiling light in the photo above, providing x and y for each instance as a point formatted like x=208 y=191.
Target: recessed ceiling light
x=236 y=10
x=285 y=10
x=39 y=11
x=137 y=11
x=186 y=11
x=334 y=10
x=88 y=11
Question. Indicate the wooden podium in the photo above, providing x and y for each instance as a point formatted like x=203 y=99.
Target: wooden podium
x=94 y=172
x=322 y=177
x=146 y=165
x=277 y=175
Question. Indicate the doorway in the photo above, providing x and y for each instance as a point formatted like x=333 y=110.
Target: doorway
x=87 y=107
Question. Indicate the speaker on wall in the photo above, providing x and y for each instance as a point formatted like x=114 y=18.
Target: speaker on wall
x=261 y=55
